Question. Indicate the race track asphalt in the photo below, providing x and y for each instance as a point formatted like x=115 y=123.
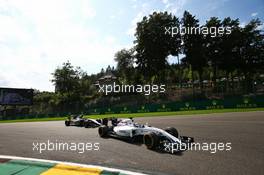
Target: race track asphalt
x=245 y=131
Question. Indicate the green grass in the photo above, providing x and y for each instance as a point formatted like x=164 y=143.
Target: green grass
x=177 y=113
x=33 y=120
x=150 y=114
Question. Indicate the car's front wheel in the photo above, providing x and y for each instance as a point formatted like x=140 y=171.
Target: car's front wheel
x=67 y=123
x=151 y=140
x=103 y=131
x=172 y=131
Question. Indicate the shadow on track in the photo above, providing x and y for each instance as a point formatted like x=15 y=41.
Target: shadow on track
x=138 y=141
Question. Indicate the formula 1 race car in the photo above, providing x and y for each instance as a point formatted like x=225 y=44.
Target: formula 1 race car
x=152 y=137
x=78 y=120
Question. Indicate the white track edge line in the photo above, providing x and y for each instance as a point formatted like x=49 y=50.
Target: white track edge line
x=69 y=163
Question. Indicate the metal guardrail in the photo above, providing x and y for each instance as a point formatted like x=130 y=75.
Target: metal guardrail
x=235 y=103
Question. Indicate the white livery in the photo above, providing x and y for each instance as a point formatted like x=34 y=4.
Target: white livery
x=152 y=137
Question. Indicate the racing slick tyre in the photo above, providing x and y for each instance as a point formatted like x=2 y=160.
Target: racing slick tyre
x=82 y=123
x=67 y=123
x=172 y=131
x=87 y=124
x=151 y=140
x=103 y=131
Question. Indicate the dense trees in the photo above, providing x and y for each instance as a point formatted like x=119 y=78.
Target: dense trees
x=193 y=46
x=125 y=65
x=73 y=88
x=238 y=55
x=250 y=52
x=153 y=46
x=66 y=79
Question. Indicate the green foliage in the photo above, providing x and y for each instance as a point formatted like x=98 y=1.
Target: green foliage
x=66 y=79
x=239 y=55
x=73 y=88
x=194 y=46
x=153 y=46
x=125 y=65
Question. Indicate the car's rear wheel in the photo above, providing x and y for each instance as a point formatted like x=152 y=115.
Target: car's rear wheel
x=103 y=131
x=67 y=123
x=172 y=131
x=151 y=140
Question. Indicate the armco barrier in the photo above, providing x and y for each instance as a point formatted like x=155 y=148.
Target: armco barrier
x=235 y=102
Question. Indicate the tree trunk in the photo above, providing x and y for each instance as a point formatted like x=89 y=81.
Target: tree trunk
x=193 y=90
x=200 y=72
x=214 y=79
x=248 y=82
x=227 y=83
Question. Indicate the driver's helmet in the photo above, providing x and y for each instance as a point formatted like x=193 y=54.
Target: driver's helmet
x=114 y=121
x=139 y=125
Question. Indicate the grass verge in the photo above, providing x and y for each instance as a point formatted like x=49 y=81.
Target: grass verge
x=150 y=114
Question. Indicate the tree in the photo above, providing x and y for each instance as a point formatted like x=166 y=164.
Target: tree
x=66 y=78
x=227 y=44
x=153 y=46
x=193 y=46
x=125 y=64
x=213 y=49
x=67 y=86
x=108 y=69
x=251 y=51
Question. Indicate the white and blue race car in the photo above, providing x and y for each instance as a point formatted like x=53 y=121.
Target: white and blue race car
x=152 y=137
x=78 y=120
